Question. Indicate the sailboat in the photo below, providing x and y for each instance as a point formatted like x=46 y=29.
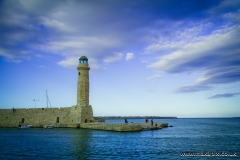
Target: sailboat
x=50 y=126
x=24 y=125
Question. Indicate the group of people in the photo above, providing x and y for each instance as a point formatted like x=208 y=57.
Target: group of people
x=126 y=121
x=151 y=121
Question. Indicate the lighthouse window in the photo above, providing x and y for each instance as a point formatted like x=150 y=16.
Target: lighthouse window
x=83 y=61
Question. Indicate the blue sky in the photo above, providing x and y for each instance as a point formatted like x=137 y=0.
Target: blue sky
x=165 y=58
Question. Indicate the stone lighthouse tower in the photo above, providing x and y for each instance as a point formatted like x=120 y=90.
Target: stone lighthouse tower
x=85 y=110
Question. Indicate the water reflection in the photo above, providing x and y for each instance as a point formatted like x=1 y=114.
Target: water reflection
x=81 y=139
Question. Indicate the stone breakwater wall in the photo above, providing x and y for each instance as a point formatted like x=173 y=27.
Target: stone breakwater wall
x=37 y=116
x=123 y=127
x=68 y=117
x=112 y=126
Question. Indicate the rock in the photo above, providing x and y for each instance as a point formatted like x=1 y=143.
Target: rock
x=157 y=125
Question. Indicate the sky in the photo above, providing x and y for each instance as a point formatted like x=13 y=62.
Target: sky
x=147 y=58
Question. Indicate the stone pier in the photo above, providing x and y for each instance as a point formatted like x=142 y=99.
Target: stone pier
x=120 y=127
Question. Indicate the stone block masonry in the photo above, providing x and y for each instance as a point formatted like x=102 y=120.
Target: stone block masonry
x=38 y=116
x=123 y=127
x=112 y=126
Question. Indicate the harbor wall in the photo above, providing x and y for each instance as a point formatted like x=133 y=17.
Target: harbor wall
x=68 y=117
x=39 y=116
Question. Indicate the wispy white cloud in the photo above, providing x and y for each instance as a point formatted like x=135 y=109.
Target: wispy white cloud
x=225 y=6
x=129 y=56
x=212 y=77
x=233 y=16
x=180 y=34
x=192 y=88
x=5 y=54
x=154 y=77
x=215 y=55
x=199 y=54
x=69 y=63
x=74 y=47
x=18 y=56
x=95 y=65
x=117 y=56
x=56 y=24
x=43 y=66
x=222 y=95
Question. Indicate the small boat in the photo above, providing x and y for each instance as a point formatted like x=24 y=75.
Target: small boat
x=50 y=126
x=25 y=126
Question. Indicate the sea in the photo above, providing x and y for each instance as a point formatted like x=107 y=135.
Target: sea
x=188 y=138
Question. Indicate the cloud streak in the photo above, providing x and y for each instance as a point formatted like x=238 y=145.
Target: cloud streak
x=216 y=56
x=117 y=56
x=222 y=95
x=154 y=77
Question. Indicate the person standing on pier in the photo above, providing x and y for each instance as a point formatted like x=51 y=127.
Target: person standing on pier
x=146 y=120
x=152 y=122
x=126 y=121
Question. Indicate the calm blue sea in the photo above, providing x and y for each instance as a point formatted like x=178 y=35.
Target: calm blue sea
x=187 y=136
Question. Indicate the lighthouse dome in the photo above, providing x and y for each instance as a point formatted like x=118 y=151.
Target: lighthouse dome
x=83 y=59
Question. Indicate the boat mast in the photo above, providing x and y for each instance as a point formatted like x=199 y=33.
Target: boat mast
x=47 y=98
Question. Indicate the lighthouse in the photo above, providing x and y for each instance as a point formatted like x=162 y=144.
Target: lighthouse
x=86 y=112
